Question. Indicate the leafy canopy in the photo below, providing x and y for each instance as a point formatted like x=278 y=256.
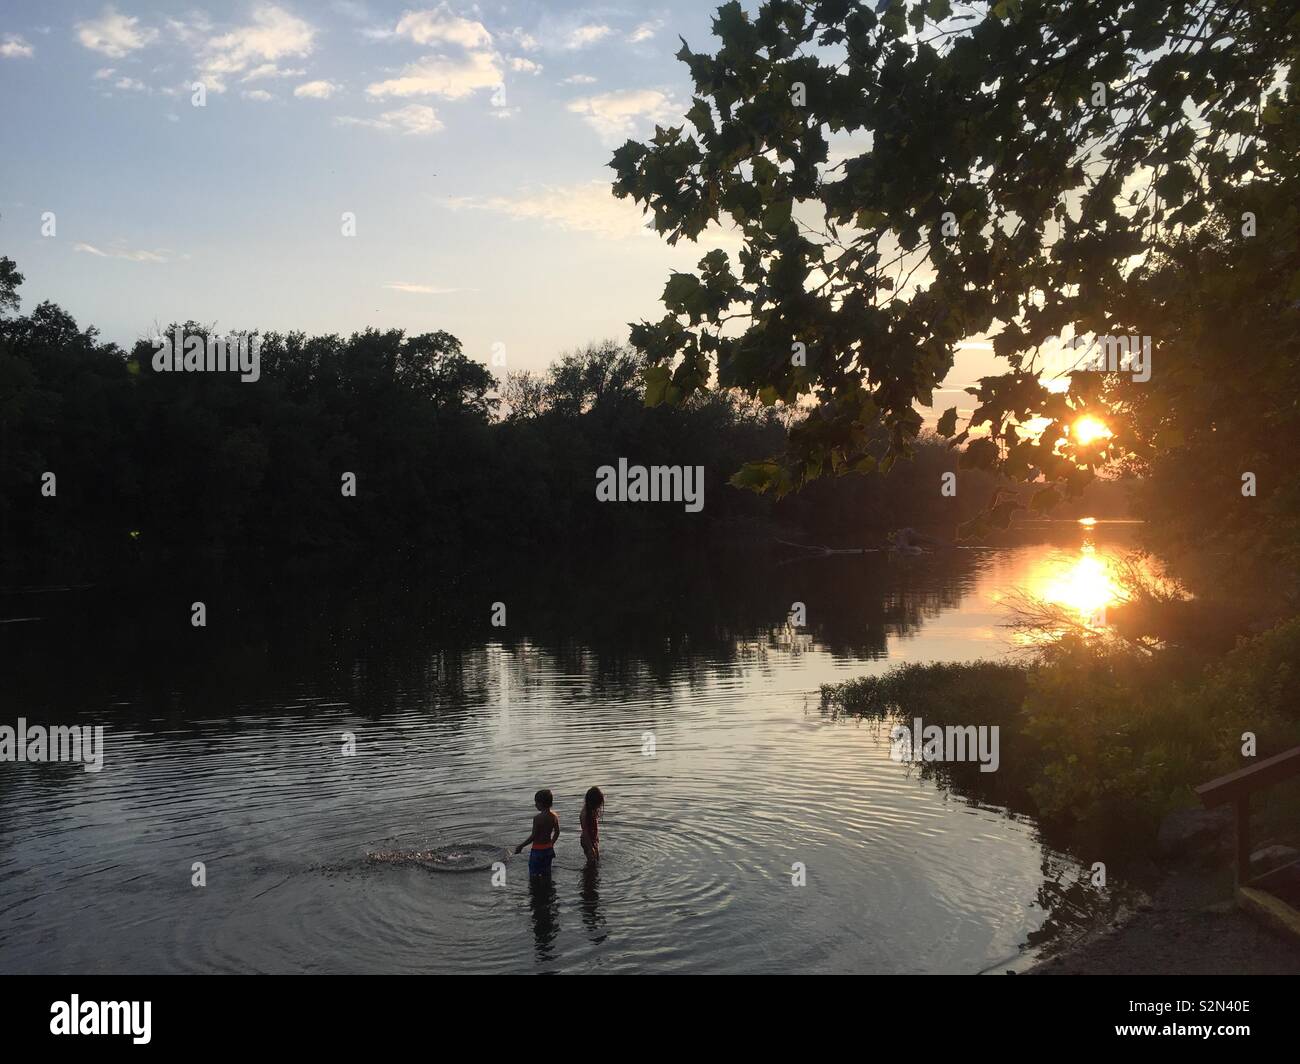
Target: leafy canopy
x=1066 y=145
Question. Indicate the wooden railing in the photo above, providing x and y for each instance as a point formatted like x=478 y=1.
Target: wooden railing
x=1236 y=788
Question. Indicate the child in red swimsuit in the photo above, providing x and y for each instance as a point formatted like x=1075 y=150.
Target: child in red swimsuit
x=589 y=818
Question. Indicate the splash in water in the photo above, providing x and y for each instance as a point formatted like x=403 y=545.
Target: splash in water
x=464 y=857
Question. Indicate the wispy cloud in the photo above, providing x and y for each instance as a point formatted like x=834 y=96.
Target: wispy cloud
x=413 y=120
x=587 y=207
x=587 y=35
x=271 y=70
x=579 y=79
x=617 y=115
x=521 y=39
x=591 y=207
x=316 y=90
x=645 y=31
x=272 y=35
x=442 y=27
x=14 y=46
x=260 y=95
x=114 y=34
x=451 y=77
x=424 y=289
x=117 y=253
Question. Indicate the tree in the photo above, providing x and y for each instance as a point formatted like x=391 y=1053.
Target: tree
x=523 y=394
x=1008 y=170
x=598 y=373
x=10 y=279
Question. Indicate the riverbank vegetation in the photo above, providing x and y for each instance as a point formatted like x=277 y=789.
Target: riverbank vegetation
x=450 y=461
x=1099 y=741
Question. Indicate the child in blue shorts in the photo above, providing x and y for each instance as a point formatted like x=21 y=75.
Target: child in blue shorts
x=546 y=829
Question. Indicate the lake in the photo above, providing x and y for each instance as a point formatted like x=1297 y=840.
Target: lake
x=681 y=690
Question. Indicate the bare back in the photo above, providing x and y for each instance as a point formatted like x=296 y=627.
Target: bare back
x=546 y=828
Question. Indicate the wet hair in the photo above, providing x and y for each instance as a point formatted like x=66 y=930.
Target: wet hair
x=594 y=799
x=544 y=798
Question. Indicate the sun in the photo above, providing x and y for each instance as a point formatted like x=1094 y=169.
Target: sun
x=1087 y=429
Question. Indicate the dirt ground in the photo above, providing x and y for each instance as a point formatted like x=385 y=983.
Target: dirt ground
x=1190 y=927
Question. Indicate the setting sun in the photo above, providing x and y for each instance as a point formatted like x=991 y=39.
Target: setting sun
x=1087 y=429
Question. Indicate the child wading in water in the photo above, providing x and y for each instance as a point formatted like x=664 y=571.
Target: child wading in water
x=589 y=818
x=546 y=829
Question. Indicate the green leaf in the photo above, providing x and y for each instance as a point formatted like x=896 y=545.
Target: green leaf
x=657 y=380
x=948 y=422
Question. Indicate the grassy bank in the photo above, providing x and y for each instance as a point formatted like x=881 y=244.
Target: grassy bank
x=1098 y=741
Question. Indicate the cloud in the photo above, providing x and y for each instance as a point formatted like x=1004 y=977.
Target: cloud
x=270 y=70
x=523 y=40
x=413 y=120
x=15 y=47
x=260 y=95
x=585 y=35
x=424 y=289
x=192 y=33
x=579 y=79
x=616 y=115
x=591 y=207
x=132 y=256
x=316 y=90
x=644 y=31
x=448 y=77
x=272 y=35
x=130 y=85
x=525 y=66
x=113 y=34
x=442 y=27
x=586 y=207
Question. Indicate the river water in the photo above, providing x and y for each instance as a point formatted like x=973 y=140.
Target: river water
x=745 y=830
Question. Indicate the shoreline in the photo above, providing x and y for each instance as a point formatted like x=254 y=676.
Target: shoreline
x=1188 y=924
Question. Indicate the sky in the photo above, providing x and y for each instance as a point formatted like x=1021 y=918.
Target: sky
x=469 y=142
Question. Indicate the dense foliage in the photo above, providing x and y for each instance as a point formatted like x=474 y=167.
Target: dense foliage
x=164 y=464
x=907 y=175
x=1098 y=740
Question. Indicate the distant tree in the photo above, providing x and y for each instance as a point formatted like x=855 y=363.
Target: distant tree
x=10 y=279
x=434 y=366
x=601 y=372
x=524 y=394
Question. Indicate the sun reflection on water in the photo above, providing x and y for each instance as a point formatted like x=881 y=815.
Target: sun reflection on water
x=1084 y=586
x=1076 y=586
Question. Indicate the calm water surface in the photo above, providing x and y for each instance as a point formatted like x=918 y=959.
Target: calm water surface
x=240 y=767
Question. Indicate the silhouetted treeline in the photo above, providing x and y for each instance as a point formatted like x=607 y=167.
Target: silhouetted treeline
x=448 y=461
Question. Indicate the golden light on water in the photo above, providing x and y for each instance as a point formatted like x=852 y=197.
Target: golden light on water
x=1084 y=587
x=1087 y=429
x=1087 y=522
